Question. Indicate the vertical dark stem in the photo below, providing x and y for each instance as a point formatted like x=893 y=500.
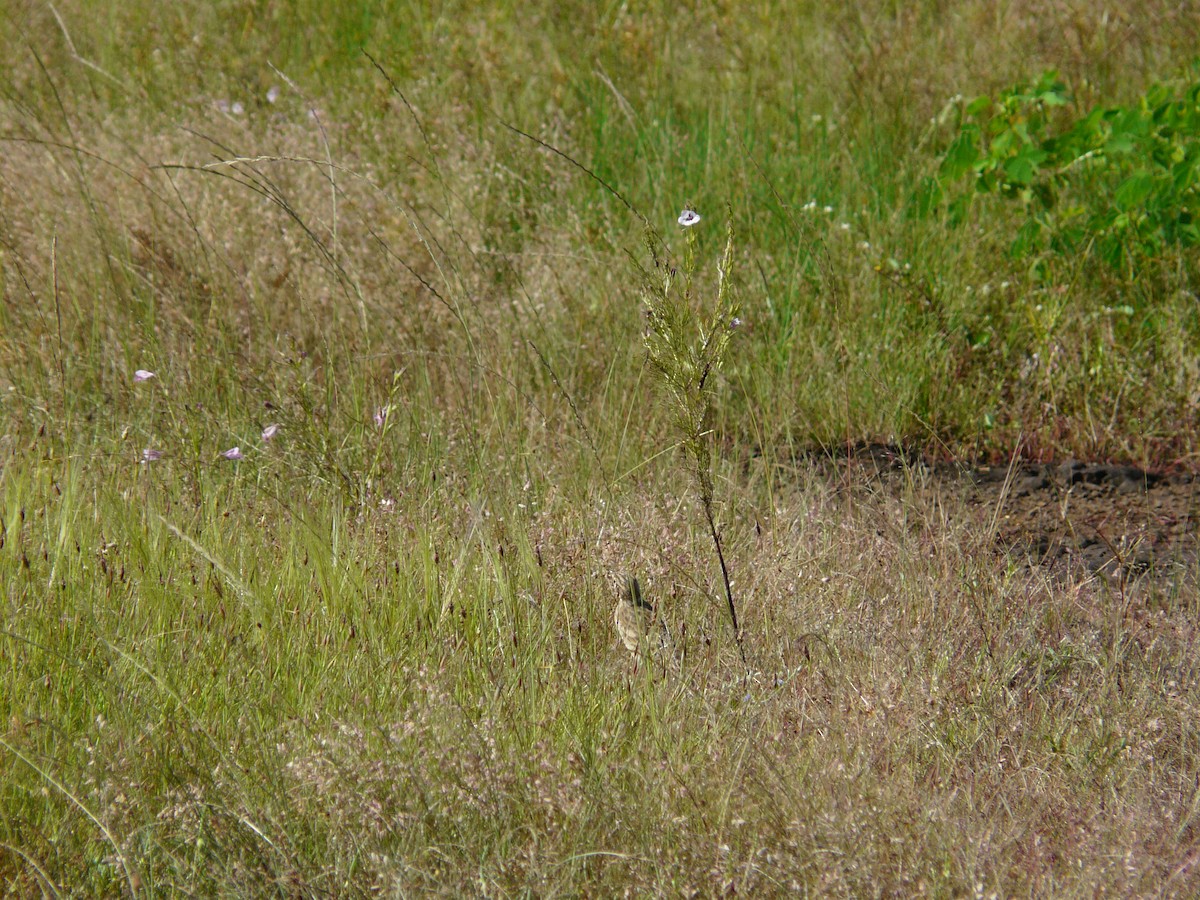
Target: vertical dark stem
x=716 y=536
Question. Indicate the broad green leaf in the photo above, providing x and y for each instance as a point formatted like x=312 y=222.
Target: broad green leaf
x=1022 y=168
x=979 y=105
x=1157 y=95
x=1119 y=143
x=1134 y=190
x=1003 y=143
x=1133 y=122
x=961 y=155
x=1183 y=173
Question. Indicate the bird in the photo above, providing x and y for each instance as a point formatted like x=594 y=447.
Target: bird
x=633 y=615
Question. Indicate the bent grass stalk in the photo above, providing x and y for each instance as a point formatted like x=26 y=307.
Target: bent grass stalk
x=685 y=352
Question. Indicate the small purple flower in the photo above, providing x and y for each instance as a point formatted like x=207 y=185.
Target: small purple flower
x=143 y=375
x=688 y=218
x=234 y=453
x=735 y=322
x=381 y=415
x=272 y=94
x=149 y=455
x=269 y=432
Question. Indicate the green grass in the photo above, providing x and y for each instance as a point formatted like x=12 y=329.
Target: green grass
x=373 y=659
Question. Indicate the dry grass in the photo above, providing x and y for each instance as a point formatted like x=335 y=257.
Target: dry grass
x=920 y=716
x=380 y=658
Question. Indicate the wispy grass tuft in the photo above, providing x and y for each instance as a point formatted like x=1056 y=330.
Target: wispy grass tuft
x=686 y=345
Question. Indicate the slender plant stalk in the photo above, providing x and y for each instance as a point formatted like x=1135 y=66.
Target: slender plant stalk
x=685 y=354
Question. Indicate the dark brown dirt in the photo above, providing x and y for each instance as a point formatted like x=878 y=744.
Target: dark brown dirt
x=1070 y=516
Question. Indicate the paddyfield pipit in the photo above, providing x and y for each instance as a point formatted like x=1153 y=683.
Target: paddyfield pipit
x=634 y=616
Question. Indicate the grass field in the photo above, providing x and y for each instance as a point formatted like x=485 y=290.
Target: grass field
x=396 y=255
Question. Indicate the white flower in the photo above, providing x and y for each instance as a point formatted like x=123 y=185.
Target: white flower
x=143 y=375
x=688 y=218
x=237 y=109
x=845 y=226
x=149 y=455
x=269 y=432
x=827 y=210
x=272 y=94
x=234 y=453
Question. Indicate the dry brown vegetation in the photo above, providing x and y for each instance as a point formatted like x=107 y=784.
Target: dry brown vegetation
x=376 y=656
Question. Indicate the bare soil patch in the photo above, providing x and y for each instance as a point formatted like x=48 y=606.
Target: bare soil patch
x=1069 y=516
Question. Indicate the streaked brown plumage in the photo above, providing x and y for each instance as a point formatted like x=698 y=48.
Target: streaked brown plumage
x=634 y=617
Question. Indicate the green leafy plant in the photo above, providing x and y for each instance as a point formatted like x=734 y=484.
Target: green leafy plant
x=686 y=347
x=1120 y=181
